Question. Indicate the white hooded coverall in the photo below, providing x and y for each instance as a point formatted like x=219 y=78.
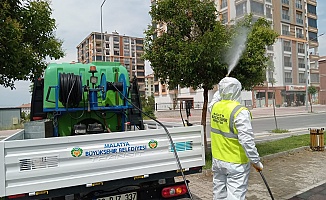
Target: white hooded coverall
x=230 y=180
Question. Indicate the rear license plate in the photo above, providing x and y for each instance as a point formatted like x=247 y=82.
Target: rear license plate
x=126 y=196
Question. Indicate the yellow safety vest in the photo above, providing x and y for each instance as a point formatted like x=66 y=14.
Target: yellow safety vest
x=224 y=136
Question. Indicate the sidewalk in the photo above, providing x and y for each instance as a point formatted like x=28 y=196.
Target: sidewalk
x=295 y=175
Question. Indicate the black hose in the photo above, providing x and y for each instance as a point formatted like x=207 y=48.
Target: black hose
x=70 y=93
x=267 y=186
x=169 y=137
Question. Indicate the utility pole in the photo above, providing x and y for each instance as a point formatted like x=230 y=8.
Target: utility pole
x=306 y=67
x=102 y=38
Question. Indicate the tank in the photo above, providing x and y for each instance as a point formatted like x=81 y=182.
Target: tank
x=99 y=104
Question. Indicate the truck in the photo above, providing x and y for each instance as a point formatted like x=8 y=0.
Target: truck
x=86 y=139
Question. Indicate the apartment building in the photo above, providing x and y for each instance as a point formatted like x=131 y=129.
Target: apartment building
x=168 y=99
x=149 y=85
x=294 y=56
x=322 y=76
x=127 y=50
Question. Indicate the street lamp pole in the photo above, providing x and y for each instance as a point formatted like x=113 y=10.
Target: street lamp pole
x=306 y=66
x=102 y=38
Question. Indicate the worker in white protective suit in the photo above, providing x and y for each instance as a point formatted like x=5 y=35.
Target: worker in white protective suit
x=232 y=142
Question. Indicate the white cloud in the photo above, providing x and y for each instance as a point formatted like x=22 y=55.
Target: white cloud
x=75 y=20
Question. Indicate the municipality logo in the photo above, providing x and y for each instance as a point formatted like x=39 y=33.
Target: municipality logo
x=152 y=144
x=76 y=152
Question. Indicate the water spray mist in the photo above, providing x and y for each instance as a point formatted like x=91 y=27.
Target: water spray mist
x=238 y=45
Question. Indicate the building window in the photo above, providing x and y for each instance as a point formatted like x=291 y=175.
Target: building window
x=241 y=9
x=301 y=63
x=156 y=88
x=140 y=73
x=288 y=77
x=116 y=39
x=287 y=61
x=299 y=18
x=98 y=36
x=126 y=40
x=270 y=77
x=285 y=14
x=298 y=4
x=312 y=22
x=269 y=12
x=313 y=36
x=126 y=53
x=126 y=61
x=311 y=9
x=140 y=67
x=257 y=8
x=299 y=32
x=224 y=19
x=116 y=53
x=314 y=78
x=285 y=29
x=116 y=60
x=287 y=46
x=139 y=48
x=116 y=46
x=139 y=42
x=300 y=48
x=224 y=3
x=302 y=78
x=286 y=2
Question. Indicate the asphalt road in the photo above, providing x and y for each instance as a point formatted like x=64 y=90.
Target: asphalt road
x=314 y=120
x=262 y=125
x=296 y=123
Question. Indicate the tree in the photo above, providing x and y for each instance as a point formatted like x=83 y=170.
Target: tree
x=27 y=38
x=148 y=106
x=271 y=79
x=311 y=91
x=191 y=52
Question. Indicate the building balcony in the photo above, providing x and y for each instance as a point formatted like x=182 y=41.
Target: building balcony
x=313 y=56
x=313 y=44
x=312 y=2
x=311 y=15
x=312 y=29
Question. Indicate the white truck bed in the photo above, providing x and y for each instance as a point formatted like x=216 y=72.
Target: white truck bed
x=33 y=165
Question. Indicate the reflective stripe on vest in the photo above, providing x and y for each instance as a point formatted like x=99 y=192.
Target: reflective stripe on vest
x=224 y=136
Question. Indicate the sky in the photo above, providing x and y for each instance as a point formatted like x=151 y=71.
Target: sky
x=76 y=19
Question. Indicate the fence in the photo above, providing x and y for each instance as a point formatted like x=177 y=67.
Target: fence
x=195 y=105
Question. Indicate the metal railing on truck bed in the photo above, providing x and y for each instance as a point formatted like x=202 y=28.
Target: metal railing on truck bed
x=44 y=164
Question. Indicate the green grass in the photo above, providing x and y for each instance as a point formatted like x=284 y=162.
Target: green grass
x=13 y=127
x=280 y=131
x=272 y=147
